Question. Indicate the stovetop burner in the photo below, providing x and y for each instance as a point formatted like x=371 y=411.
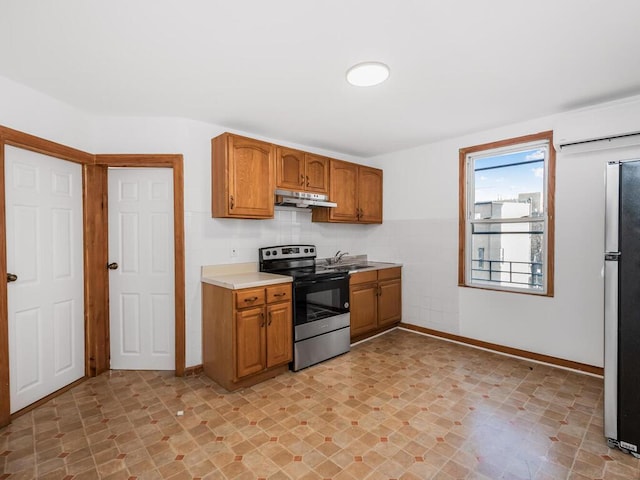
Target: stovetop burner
x=297 y=261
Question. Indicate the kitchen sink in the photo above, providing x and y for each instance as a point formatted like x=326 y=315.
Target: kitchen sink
x=345 y=267
x=356 y=267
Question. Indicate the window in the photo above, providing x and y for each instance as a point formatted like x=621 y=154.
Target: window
x=506 y=215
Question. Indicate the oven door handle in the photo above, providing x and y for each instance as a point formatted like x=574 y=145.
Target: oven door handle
x=303 y=283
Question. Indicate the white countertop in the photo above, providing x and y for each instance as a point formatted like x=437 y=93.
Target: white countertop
x=380 y=265
x=235 y=276
x=236 y=281
x=240 y=275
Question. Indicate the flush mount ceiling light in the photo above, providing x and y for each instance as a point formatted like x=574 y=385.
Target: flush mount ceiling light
x=367 y=74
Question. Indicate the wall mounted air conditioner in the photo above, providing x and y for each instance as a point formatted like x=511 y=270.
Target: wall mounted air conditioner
x=610 y=125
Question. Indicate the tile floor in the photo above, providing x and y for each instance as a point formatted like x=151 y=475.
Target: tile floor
x=401 y=406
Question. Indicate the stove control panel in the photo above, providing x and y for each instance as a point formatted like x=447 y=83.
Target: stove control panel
x=287 y=252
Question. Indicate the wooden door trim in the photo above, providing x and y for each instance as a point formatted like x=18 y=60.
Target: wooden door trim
x=174 y=161
x=94 y=178
x=25 y=141
x=97 y=280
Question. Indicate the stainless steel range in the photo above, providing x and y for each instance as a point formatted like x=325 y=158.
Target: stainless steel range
x=321 y=318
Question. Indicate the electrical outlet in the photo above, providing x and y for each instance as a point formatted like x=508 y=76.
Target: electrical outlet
x=233 y=253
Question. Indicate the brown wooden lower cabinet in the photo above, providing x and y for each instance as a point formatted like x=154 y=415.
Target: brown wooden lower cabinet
x=376 y=301
x=250 y=342
x=279 y=338
x=364 y=308
x=389 y=301
x=246 y=334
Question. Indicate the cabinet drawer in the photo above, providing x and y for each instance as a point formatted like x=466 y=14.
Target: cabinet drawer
x=363 y=277
x=387 y=273
x=249 y=297
x=278 y=293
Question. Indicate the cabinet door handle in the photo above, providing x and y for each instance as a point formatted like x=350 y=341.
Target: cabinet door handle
x=232 y=203
x=379 y=291
x=307 y=180
x=262 y=317
x=250 y=299
x=270 y=317
x=281 y=294
x=302 y=179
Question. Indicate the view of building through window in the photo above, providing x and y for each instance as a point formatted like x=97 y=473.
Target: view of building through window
x=506 y=217
x=508 y=187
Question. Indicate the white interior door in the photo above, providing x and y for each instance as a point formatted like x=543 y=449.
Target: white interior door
x=141 y=288
x=44 y=250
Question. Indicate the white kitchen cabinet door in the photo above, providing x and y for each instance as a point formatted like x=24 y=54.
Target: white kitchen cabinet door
x=43 y=198
x=141 y=288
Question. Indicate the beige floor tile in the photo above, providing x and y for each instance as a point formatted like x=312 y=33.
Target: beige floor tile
x=401 y=406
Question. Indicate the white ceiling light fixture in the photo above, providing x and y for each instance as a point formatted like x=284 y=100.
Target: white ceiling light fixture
x=367 y=74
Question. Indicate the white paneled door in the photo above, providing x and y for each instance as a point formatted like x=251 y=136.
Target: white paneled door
x=43 y=198
x=141 y=277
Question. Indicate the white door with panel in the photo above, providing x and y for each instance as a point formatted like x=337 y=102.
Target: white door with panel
x=141 y=276
x=44 y=234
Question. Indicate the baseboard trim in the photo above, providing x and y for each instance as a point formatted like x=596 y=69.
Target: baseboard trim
x=44 y=400
x=195 y=370
x=374 y=335
x=515 y=352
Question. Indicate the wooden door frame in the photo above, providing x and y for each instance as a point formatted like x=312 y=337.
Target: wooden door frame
x=25 y=141
x=99 y=200
x=95 y=229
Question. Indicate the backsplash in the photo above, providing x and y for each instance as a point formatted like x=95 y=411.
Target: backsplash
x=430 y=293
x=210 y=241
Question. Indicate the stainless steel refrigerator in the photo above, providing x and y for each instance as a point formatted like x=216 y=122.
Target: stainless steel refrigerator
x=622 y=307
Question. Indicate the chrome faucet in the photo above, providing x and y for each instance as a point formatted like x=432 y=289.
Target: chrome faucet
x=338 y=256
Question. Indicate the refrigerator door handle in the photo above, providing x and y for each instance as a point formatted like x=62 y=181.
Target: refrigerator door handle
x=611 y=212
x=611 y=349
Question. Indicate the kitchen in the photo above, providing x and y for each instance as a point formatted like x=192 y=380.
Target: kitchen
x=420 y=228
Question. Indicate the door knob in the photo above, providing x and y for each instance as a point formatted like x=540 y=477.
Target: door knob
x=11 y=277
x=112 y=266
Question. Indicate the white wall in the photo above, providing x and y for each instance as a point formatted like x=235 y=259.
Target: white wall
x=420 y=228
x=29 y=111
x=207 y=240
x=421 y=205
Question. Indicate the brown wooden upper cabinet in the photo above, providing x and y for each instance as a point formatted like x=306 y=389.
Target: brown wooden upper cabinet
x=358 y=192
x=369 y=195
x=301 y=171
x=243 y=180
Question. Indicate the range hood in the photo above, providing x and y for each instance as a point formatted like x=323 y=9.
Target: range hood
x=287 y=198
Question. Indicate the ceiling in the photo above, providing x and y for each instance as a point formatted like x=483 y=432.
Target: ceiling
x=277 y=68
